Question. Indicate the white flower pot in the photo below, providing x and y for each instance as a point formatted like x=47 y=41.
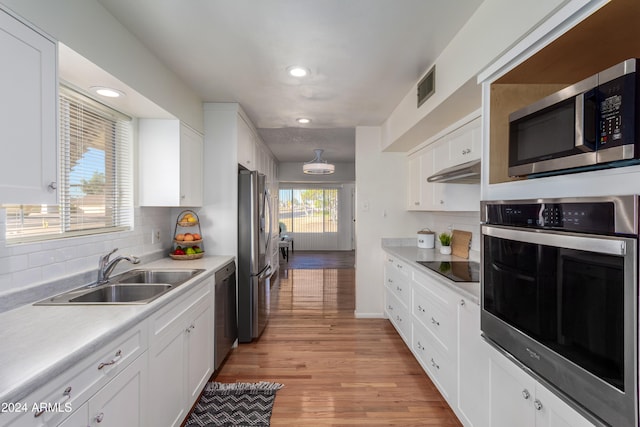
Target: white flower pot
x=445 y=250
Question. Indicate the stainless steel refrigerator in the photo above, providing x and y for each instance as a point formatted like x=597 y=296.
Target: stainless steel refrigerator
x=254 y=271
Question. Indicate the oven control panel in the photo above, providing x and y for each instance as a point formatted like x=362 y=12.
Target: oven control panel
x=598 y=217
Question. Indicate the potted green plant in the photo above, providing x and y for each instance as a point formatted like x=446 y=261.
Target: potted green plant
x=445 y=242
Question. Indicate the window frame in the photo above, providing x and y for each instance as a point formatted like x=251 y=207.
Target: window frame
x=122 y=181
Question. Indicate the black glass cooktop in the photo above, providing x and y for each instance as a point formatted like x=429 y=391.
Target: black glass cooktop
x=458 y=271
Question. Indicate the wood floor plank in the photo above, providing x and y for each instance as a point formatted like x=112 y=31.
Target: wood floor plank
x=337 y=370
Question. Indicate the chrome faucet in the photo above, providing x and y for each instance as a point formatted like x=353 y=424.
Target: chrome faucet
x=105 y=267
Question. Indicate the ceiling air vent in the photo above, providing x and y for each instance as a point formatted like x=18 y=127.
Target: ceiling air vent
x=427 y=86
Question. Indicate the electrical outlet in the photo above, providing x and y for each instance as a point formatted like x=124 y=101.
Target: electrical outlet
x=155 y=236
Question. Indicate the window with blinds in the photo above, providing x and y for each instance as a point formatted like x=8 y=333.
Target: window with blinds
x=309 y=210
x=95 y=187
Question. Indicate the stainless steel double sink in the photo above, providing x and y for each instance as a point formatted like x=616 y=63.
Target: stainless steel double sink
x=139 y=286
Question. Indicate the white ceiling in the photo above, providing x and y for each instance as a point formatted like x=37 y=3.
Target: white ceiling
x=364 y=57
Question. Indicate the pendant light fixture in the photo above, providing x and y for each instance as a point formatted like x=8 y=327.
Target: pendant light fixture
x=317 y=166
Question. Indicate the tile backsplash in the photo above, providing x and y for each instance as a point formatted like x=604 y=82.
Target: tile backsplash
x=29 y=265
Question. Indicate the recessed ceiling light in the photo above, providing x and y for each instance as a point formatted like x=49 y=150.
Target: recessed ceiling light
x=107 y=91
x=303 y=120
x=297 y=71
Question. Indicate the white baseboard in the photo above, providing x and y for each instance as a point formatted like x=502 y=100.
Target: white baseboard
x=368 y=315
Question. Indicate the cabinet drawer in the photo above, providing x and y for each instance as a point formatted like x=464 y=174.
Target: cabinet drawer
x=74 y=387
x=174 y=314
x=438 y=320
x=440 y=368
x=398 y=315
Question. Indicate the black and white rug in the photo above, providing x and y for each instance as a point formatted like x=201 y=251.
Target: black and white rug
x=236 y=404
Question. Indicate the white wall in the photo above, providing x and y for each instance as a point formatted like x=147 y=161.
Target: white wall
x=494 y=27
x=87 y=28
x=380 y=213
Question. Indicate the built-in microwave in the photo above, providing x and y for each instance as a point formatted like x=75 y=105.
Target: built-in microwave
x=591 y=124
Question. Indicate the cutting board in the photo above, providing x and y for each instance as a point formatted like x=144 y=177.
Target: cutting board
x=460 y=241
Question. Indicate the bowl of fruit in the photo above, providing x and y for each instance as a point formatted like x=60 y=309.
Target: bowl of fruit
x=188 y=220
x=188 y=239
x=183 y=252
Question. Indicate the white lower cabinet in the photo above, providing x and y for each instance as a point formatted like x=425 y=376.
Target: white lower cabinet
x=180 y=355
x=440 y=367
x=123 y=401
x=472 y=406
x=399 y=316
x=518 y=399
x=104 y=383
x=482 y=386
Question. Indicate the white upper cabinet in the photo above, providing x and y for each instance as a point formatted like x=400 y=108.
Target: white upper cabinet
x=246 y=145
x=465 y=144
x=28 y=82
x=457 y=147
x=170 y=163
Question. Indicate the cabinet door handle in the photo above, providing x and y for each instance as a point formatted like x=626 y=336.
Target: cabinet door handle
x=191 y=328
x=398 y=288
x=435 y=322
x=399 y=319
x=66 y=394
x=53 y=186
x=420 y=346
x=462 y=302
x=112 y=361
x=420 y=308
x=100 y=417
x=525 y=394
x=537 y=404
x=434 y=364
x=390 y=307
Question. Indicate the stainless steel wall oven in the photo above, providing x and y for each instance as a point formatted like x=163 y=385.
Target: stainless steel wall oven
x=560 y=295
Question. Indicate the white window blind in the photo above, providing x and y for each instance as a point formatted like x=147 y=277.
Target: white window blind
x=95 y=187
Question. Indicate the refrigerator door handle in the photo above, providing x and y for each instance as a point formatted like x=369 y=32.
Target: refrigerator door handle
x=267 y=204
x=265 y=273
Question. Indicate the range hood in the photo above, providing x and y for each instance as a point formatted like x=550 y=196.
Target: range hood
x=465 y=173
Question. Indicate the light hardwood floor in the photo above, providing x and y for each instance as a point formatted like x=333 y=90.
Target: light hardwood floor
x=337 y=370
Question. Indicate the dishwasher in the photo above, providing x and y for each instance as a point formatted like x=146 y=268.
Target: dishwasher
x=226 y=324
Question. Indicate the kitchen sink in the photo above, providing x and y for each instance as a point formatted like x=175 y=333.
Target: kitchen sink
x=172 y=277
x=139 y=286
x=111 y=294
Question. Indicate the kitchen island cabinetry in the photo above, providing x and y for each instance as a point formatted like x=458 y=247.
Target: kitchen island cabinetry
x=518 y=399
x=180 y=355
x=29 y=84
x=458 y=144
x=171 y=168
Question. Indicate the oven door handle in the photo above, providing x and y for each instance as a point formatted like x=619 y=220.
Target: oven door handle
x=601 y=244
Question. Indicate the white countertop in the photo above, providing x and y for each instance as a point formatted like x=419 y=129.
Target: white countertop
x=41 y=342
x=411 y=254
